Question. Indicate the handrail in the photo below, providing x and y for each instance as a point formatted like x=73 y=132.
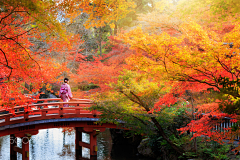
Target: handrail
x=41 y=111
x=57 y=99
x=46 y=100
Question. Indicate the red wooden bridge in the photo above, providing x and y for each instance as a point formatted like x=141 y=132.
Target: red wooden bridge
x=28 y=119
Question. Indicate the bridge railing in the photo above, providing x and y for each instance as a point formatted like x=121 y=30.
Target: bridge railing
x=223 y=125
x=39 y=111
x=40 y=101
x=226 y=124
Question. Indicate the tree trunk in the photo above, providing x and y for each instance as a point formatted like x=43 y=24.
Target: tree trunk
x=194 y=140
x=159 y=127
x=115 y=29
x=161 y=132
x=100 y=41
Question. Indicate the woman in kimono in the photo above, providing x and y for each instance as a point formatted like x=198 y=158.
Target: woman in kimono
x=65 y=92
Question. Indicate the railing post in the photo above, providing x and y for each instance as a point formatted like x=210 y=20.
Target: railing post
x=7 y=118
x=77 y=111
x=13 y=143
x=26 y=113
x=43 y=113
x=94 y=113
x=61 y=110
x=45 y=106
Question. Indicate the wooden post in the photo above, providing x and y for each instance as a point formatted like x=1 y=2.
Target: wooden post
x=93 y=146
x=13 y=143
x=45 y=106
x=94 y=113
x=77 y=111
x=25 y=148
x=61 y=110
x=7 y=118
x=26 y=113
x=43 y=112
x=78 y=148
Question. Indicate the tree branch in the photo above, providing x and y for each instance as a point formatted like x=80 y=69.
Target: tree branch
x=8 y=15
x=24 y=50
x=135 y=117
x=140 y=101
x=21 y=34
x=130 y=98
x=6 y=65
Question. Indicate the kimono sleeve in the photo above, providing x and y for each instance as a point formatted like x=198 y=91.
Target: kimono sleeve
x=69 y=91
x=60 y=91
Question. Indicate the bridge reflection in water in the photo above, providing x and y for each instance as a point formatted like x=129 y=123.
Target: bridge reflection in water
x=52 y=144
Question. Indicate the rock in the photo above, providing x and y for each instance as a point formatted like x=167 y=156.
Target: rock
x=146 y=150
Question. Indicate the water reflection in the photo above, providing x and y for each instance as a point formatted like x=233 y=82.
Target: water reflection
x=4 y=150
x=53 y=144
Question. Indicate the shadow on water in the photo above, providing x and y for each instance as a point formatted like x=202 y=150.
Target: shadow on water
x=53 y=144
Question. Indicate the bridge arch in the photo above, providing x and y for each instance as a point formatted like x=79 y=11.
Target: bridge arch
x=27 y=120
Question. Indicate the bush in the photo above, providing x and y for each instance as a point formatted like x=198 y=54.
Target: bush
x=213 y=151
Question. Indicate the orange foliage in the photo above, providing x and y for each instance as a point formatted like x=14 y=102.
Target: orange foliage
x=195 y=61
x=103 y=70
x=20 y=62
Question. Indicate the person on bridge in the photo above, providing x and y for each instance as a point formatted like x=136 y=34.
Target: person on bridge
x=65 y=92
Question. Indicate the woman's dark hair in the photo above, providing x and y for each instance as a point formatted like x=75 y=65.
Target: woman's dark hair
x=66 y=80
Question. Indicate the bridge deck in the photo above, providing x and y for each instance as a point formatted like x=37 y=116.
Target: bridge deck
x=27 y=120
x=46 y=110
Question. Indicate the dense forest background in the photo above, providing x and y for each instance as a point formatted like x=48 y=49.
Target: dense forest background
x=167 y=67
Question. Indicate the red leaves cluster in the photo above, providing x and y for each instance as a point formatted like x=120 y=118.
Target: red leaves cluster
x=102 y=70
x=20 y=62
x=209 y=122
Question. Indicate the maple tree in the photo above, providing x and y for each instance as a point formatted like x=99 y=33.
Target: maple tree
x=131 y=19
x=26 y=24
x=134 y=84
x=127 y=95
x=164 y=18
x=101 y=70
x=99 y=13
x=131 y=99
x=201 y=57
x=18 y=64
x=214 y=10
x=197 y=60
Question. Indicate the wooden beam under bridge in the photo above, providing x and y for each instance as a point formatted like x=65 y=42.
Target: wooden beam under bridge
x=93 y=132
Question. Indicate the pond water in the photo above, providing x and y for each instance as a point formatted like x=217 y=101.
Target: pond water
x=53 y=144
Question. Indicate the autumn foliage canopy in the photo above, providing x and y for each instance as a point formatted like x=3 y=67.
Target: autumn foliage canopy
x=181 y=58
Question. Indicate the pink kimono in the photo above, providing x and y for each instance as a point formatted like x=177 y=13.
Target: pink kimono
x=65 y=93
